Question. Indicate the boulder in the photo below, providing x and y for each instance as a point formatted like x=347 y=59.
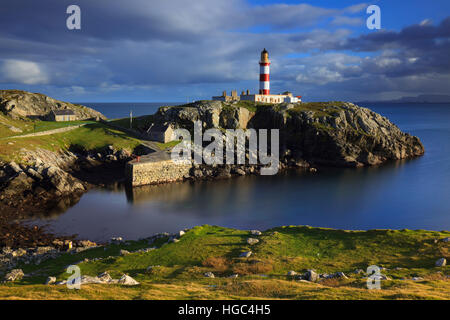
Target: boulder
x=245 y=254
x=252 y=241
x=50 y=280
x=311 y=276
x=126 y=280
x=104 y=277
x=442 y=262
x=14 y=275
x=124 y=252
x=255 y=232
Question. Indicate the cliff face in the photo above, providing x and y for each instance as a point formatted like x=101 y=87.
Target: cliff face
x=22 y=104
x=331 y=133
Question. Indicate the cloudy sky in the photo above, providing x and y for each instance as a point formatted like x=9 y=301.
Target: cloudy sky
x=174 y=50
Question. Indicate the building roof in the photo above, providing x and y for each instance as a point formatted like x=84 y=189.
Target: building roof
x=159 y=127
x=65 y=112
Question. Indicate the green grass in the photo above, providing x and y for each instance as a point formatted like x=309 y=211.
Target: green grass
x=40 y=126
x=217 y=249
x=93 y=137
x=142 y=122
x=167 y=145
x=320 y=109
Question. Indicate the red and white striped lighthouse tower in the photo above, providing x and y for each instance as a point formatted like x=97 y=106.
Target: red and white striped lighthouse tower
x=264 y=73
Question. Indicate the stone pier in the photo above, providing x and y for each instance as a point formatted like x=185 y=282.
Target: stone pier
x=155 y=171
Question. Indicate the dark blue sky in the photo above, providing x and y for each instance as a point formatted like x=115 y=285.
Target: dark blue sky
x=174 y=50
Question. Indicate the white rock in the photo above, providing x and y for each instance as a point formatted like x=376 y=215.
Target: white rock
x=245 y=254
x=181 y=233
x=292 y=273
x=13 y=275
x=255 y=232
x=234 y=276
x=104 y=277
x=50 y=280
x=124 y=252
x=209 y=275
x=252 y=241
x=126 y=280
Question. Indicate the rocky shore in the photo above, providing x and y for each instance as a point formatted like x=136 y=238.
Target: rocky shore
x=53 y=182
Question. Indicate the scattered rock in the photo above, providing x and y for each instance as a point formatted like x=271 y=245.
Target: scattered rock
x=104 y=277
x=13 y=275
x=338 y=275
x=233 y=276
x=181 y=233
x=245 y=254
x=124 y=252
x=255 y=232
x=252 y=241
x=126 y=280
x=50 y=280
x=209 y=275
x=311 y=276
x=292 y=273
x=358 y=271
x=174 y=240
x=417 y=279
x=442 y=262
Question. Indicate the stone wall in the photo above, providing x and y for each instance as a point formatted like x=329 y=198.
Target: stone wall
x=48 y=132
x=155 y=172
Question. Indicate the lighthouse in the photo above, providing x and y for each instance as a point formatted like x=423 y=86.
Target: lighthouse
x=264 y=73
x=263 y=95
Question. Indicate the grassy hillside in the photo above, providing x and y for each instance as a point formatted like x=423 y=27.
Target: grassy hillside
x=92 y=136
x=181 y=266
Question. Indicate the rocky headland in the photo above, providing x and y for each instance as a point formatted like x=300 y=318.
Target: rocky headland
x=19 y=104
x=330 y=133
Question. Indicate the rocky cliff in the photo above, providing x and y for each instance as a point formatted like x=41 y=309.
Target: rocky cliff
x=22 y=104
x=331 y=133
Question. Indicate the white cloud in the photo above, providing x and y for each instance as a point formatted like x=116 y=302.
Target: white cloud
x=343 y=20
x=23 y=72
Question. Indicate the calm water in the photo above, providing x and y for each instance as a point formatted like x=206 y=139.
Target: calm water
x=411 y=194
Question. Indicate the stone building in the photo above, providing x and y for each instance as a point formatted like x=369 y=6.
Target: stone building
x=224 y=97
x=62 y=115
x=161 y=132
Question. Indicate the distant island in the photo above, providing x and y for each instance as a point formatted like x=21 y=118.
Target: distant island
x=423 y=98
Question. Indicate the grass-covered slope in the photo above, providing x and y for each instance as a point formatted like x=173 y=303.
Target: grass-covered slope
x=92 y=136
x=180 y=266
